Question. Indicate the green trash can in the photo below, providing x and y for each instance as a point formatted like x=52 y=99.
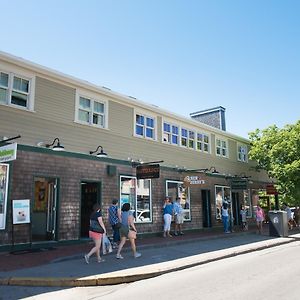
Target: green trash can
x=278 y=225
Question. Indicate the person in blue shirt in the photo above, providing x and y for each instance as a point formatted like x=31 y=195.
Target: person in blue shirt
x=168 y=211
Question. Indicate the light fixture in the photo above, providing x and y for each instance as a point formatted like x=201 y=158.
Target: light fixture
x=211 y=170
x=57 y=147
x=99 y=154
x=5 y=140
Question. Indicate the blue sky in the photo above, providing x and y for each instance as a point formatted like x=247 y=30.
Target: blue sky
x=181 y=55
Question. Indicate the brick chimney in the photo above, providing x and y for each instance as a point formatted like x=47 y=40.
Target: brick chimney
x=214 y=117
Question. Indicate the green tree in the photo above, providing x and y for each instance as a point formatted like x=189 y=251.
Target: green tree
x=277 y=151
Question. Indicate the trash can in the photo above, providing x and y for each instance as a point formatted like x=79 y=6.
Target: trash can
x=278 y=225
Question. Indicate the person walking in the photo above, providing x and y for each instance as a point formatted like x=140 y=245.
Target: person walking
x=260 y=216
x=225 y=217
x=168 y=211
x=127 y=230
x=96 y=216
x=178 y=212
x=114 y=217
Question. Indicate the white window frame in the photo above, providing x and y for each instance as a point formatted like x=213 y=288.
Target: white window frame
x=133 y=209
x=222 y=148
x=29 y=95
x=93 y=98
x=170 y=134
x=187 y=211
x=144 y=126
x=219 y=202
x=202 y=142
x=242 y=157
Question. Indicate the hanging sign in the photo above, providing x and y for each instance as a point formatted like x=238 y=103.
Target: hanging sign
x=271 y=189
x=8 y=152
x=239 y=184
x=21 y=211
x=147 y=171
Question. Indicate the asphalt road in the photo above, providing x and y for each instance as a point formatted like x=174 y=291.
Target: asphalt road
x=272 y=273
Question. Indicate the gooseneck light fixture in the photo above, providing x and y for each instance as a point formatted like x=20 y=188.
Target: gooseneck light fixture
x=5 y=140
x=99 y=154
x=57 y=147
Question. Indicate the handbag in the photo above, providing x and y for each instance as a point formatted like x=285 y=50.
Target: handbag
x=96 y=227
x=106 y=245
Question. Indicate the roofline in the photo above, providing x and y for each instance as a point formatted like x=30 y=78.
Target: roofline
x=104 y=90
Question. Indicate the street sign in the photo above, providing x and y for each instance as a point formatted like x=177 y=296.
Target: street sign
x=147 y=171
x=193 y=180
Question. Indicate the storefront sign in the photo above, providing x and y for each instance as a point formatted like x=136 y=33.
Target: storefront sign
x=21 y=211
x=147 y=171
x=239 y=184
x=193 y=180
x=8 y=152
x=271 y=189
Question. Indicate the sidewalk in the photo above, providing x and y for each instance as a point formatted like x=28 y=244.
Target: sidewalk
x=65 y=266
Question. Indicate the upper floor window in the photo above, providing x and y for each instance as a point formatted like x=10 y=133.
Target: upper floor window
x=242 y=153
x=221 y=148
x=145 y=126
x=14 y=90
x=184 y=137
x=91 y=111
x=202 y=142
x=170 y=134
x=191 y=139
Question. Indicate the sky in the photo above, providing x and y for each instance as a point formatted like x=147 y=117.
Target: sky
x=181 y=55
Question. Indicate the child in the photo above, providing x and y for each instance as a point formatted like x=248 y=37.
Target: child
x=244 y=218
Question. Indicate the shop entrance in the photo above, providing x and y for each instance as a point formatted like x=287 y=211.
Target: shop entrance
x=236 y=207
x=44 y=211
x=90 y=194
x=206 y=208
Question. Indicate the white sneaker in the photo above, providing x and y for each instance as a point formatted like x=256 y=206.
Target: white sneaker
x=119 y=256
x=87 y=259
x=137 y=254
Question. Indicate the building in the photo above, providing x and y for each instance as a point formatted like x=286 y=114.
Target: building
x=47 y=195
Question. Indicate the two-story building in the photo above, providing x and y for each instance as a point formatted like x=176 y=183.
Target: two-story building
x=52 y=111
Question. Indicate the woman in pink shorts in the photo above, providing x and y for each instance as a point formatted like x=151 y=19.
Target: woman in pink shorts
x=96 y=236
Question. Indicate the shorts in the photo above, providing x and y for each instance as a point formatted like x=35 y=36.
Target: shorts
x=95 y=235
x=179 y=219
x=124 y=231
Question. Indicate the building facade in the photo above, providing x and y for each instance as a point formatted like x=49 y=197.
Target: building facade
x=57 y=189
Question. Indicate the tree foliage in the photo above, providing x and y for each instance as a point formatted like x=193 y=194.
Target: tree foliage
x=277 y=151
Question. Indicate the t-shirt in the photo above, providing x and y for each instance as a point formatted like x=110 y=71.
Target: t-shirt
x=96 y=215
x=168 y=209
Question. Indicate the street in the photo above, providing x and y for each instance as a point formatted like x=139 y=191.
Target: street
x=272 y=273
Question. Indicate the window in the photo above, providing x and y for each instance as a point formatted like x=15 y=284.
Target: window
x=184 y=137
x=138 y=194
x=202 y=142
x=191 y=139
x=91 y=112
x=223 y=194
x=14 y=90
x=242 y=153
x=170 y=134
x=144 y=126
x=176 y=189
x=221 y=148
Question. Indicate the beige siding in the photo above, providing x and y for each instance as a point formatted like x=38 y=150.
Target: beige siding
x=54 y=101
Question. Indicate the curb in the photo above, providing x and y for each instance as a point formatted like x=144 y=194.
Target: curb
x=144 y=272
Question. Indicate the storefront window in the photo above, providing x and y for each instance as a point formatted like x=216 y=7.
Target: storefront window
x=223 y=194
x=138 y=194
x=176 y=189
x=3 y=193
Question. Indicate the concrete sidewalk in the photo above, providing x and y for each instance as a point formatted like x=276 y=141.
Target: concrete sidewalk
x=159 y=256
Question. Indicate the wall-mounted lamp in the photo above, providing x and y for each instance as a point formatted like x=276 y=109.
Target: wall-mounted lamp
x=9 y=139
x=242 y=176
x=211 y=170
x=99 y=154
x=57 y=147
